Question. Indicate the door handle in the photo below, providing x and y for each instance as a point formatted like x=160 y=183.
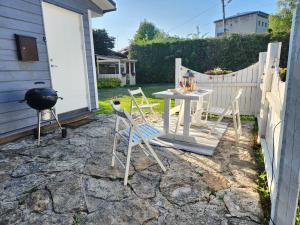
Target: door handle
x=53 y=65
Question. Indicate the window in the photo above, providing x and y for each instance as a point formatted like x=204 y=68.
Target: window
x=266 y=24
x=258 y=23
x=262 y=24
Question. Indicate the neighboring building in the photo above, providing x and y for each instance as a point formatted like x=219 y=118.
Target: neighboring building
x=64 y=44
x=243 y=23
x=116 y=65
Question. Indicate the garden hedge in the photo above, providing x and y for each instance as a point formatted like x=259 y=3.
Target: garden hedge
x=108 y=83
x=156 y=61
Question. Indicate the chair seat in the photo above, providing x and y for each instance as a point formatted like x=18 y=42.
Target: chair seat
x=219 y=111
x=147 y=131
x=146 y=106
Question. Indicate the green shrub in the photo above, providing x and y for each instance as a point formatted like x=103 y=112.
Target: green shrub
x=156 y=60
x=108 y=83
x=282 y=73
x=218 y=71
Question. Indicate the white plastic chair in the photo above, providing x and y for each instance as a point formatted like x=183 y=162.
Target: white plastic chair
x=134 y=134
x=233 y=110
x=145 y=104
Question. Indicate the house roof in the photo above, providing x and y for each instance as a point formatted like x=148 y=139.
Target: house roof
x=112 y=55
x=106 y=5
x=260 y=13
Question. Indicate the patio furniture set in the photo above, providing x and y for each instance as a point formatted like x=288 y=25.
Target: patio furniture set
x=193 y=107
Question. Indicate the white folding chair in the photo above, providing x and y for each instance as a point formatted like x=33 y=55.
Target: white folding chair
x=134 y=134
x=233 y=111
x=145 y=104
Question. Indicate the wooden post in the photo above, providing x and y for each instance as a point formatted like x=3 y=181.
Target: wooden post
x=261 y=68
x=129 y=68
x=178 y=64
x=119 y=64
x=285 y=203
x=272 y=61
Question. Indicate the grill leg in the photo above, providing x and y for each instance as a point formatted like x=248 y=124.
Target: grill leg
x=39 y=127
x=54 y=115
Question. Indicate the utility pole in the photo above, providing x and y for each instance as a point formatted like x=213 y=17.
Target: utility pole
x=224 y=19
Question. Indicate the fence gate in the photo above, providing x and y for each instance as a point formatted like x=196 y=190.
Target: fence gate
x=226 y=86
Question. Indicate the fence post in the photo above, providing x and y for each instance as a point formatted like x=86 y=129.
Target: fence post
x=272 y=62
x=178 y=64
x=261 y=68
x=285 y=203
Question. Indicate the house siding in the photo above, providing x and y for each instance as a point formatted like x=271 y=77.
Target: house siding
x=24 y=17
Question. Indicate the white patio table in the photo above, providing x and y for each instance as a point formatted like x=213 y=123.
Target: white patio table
x=187 y=98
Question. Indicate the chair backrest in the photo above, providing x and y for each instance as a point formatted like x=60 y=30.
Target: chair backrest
x=134 y=102
x=235 y=102
x=121 y=113
x=138 y=91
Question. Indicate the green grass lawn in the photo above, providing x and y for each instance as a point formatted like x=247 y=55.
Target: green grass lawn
x=105 y=96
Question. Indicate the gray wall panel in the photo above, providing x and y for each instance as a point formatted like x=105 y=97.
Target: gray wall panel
x=24 y=17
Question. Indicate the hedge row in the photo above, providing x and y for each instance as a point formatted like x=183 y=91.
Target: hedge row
x=108 y=83
x=156 y=61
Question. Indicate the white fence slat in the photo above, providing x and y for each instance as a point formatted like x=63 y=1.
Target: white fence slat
x=226 y=86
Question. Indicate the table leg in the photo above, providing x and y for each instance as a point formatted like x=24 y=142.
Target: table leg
x=187 y=117
x=167 y=116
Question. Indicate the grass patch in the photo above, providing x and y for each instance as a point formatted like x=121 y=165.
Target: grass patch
x=262 y=178
x=105 y=96
x=263 y=183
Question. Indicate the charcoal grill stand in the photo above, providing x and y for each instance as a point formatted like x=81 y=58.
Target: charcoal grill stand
x=63 y=130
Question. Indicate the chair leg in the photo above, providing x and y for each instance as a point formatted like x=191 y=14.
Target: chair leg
x=114 y=151
x=127 y=164
x=179 y=118
x=235 y=128
x=239 y=124
x=155 y=156
x=215 y=125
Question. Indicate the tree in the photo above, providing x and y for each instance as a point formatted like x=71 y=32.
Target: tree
x=147 y=31
x=103 y=43
x=281 y=21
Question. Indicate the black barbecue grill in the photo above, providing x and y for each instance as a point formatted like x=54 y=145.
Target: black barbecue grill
x=43 y=99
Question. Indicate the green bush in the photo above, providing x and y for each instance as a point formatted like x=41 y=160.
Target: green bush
x=156 y=60
x=218 y=71
x=108 y=83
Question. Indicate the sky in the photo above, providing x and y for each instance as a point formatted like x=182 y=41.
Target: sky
x=176 y=17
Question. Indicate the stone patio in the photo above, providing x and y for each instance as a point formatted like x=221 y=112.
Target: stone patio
x=70 y=182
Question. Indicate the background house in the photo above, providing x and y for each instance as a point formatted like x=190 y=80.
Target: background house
x=243 y=23
x=116 y=65
x=63 y=33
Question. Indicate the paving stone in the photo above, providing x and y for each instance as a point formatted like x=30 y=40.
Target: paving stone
x=67 y=191
x=183 y=188
x=99 y=165
x=39 y=201
x=145 y=184
x=127 y=212
x=243 y=202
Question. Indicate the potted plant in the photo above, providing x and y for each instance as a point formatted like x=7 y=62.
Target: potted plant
x=116 y=101
x=218 y=71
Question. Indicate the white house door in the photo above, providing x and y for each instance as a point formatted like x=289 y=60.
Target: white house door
x=65 y=45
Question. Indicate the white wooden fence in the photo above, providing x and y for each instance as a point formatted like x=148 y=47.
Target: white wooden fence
x=271 y=100
x=226 y=86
